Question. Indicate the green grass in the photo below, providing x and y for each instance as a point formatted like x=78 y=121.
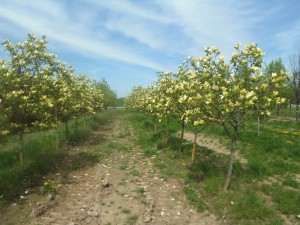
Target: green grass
x=126 y=211
x=273 y=154
x=140 y=191
x=132 y=219
x=45 y=152
x=287 y=201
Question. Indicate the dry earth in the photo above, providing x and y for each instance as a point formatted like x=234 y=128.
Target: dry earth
x=213 y=144
x=123 y=188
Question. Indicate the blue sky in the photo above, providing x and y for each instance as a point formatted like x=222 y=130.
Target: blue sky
x=128 y=41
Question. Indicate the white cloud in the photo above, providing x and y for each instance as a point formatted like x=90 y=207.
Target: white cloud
x=58 y=26
x=289 y=38
x=210 y=23
x=135 y=9
x=147 y=33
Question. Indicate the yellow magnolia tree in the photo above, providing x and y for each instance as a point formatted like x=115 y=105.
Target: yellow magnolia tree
x=164 y=90
x=38 y=91
x=136 y=99
x=26 y=87
x=192 y=98
x=237 y=90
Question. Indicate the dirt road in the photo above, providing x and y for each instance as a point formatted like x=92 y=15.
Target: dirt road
x=122 y=188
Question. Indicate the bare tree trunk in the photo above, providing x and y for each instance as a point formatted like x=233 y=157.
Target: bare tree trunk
x=67 y=129
x=231 y=161
x=194 y=148
x=57 y=137
x=181 y=135
x=258 y=126
x=297 y=111
x=21 y=155
x=76 y=124
x=167 y=129
x=154 y=124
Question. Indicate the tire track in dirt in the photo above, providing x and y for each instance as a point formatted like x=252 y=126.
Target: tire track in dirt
x=125 y=188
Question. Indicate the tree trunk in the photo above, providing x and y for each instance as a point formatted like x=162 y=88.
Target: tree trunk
x=231 y=161
x=297 y=96
x=181 y=136
x=258 y=126
x=194 y=148
x=57 y=135
x=76 y=124
x=167 y=129
x=21 y=155
x=67 y=129
x=277 y=110
x=154 y=124
x=297 y=111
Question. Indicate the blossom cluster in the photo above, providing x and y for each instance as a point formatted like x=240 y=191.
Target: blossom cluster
x=209 y=89
x=37 y=90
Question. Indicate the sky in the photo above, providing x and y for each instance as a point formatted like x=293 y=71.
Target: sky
x=127 y=42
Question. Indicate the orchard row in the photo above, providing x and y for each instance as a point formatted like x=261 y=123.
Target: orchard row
x=209 y=90
x=39 y=91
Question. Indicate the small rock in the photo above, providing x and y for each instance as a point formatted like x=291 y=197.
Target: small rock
x=40 y=210
x=148 y=219
x=93 y=211
x=50 y=197
x=105 y=183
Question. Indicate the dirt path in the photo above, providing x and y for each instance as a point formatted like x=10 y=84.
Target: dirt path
x=213 y=144
x=124 y=188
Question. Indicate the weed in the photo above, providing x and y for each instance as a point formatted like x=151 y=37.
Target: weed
x=134 y=172
x=49 y=186
x=126 y=211
x=122 y=167
x=133 y=219
x=140 y=191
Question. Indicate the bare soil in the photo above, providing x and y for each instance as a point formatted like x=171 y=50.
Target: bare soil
x=122 y=188
x=213 y=144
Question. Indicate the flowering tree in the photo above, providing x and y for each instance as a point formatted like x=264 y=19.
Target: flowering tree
x=165 y=102
x=38 y=91
x=192 y=98
x=277 y=66
x=3 y=116
x=237 y=90
x=26 y=85
x=136 y=99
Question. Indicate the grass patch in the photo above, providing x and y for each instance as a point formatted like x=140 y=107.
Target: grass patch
x=45 y=152
x=126 y=211
x=195 y=198
x=136 y=173
x=122 y=167
x=132 y=219
x=140 y=191
x=287 y=201
x=275 y=153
